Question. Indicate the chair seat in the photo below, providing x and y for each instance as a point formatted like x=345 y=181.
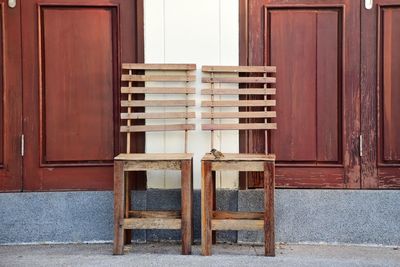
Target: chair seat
x=154 y=156
x=240 y=157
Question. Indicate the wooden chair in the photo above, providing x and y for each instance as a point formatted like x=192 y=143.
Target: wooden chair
x=257 y=83
x=135 y=79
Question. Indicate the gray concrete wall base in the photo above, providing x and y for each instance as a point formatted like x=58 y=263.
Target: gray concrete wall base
x=302 y=216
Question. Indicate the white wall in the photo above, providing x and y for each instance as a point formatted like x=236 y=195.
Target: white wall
x=204 y=32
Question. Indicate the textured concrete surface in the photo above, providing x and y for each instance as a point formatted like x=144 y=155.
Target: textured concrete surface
x=223 y=255
x=342 y=216
x=330 y=216
x=56 y=217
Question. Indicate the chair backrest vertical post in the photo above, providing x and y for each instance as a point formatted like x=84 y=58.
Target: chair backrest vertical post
x=128 y=123
x=212 y=109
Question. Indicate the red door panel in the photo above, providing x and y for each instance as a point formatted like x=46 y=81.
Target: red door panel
x=316 y=51
x=72 y=54
x=380 y=40
x=11 y=99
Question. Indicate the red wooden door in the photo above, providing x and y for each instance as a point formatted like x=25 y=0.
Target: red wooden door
x=10 y=104
x=380 y=61
x=72 y=51
x=316 y=47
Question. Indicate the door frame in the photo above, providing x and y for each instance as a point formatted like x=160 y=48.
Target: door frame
x=139 y=143
x=11 y=82
x=352 y=162
x=371 y=89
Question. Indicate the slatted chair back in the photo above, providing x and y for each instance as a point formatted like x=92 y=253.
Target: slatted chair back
x=170 y=80
x=253 y=85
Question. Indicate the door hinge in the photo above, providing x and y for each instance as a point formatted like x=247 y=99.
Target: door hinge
x=361 y=145
x=22 y=145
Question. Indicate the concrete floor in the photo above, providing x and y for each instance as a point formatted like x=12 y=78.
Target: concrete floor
x=166 y=254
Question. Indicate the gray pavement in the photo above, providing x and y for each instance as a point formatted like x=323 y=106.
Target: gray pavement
x=167 y=254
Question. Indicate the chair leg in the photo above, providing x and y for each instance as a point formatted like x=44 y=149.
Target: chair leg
x=128 y=232
x=214 y=202
x=118 y=207
x=191 y=181
x=269 y=221
x=206 y=208
x=186 y=203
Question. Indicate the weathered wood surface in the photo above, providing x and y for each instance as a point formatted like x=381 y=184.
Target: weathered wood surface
x=237 y=224
x=239 y=157
x=171 y=214
x=172 y=67
x=240 y=126
x=151 y=223
x=187 y=206
x=154 y=156
x=157 y=128
x=238 y=215
x=235 y=69
x=234 y=115
x=206 y=208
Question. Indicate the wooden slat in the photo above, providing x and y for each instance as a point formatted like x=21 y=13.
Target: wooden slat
x=237 y=224
x=158 y=90
x=238 y=79
x=156 y=156
x=158 y=103
x=158 y=115
x=187 y=206
x=238 y=215
x=239 y=69
x=239 y=103
x=241 y=126
x=240 y=157
x=171 y=214
x=135 y=66
x=157 y=128
x=233 y=115
x=151 y=223
x=152 y=165
x=158 y=78
x=247 y=91
x=245 y=166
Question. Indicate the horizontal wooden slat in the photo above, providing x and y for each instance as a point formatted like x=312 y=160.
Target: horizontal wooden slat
x=241 y=157
x=238 y=215
x=158 y=115
x=239 y=103
x=157 y=128
x=234 y=115
x=158 y=103
x=152 y=165
x=155 y=156
x=240 y=126
x=251 y=225
x=157 y=90
x=238 y=69
x=157 y=78
x=135 y=66
x=172 y=214
x=151 y=223
x=238 y=79
x=247 y=91
x=245 y=166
